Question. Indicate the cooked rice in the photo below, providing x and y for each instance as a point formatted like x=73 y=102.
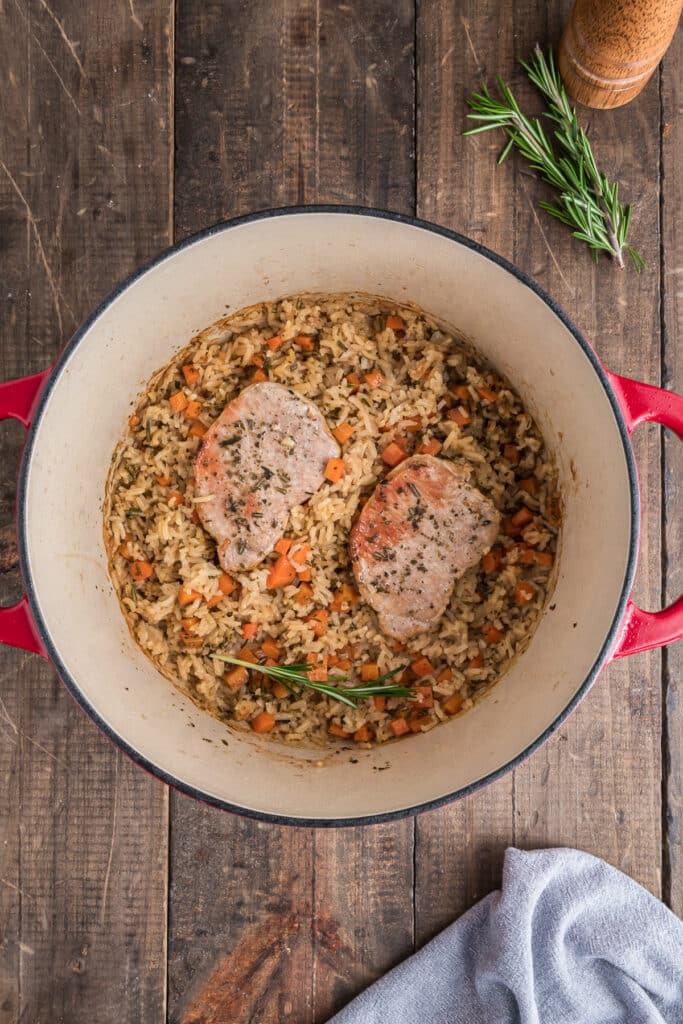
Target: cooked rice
x=420 y=366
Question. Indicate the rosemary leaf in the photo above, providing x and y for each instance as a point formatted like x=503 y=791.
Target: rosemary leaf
x=586 y=201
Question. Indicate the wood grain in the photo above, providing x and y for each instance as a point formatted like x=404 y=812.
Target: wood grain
x=298 y=103
x=672 y=321
x=84 y=186
x=596 y=784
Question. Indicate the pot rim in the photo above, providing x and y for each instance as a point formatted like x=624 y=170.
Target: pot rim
x=266 y=816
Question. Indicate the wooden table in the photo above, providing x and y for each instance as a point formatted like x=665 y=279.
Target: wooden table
x=127 y=125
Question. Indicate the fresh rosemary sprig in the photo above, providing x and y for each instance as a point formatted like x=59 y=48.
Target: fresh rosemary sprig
x=294 y=678
x=587 y=202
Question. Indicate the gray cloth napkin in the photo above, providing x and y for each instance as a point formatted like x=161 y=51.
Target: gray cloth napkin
x=568 y=940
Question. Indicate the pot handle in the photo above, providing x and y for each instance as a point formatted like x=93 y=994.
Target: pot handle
x=18 y=399
x=640 y=403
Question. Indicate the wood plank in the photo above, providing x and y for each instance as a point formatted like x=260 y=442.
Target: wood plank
x=331 y=120
x=84 y=188
x=672 y=312
x=459 y=849
x=596 y=785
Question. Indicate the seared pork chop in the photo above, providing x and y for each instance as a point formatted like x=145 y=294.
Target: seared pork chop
x=423 y=527
x=266 y=452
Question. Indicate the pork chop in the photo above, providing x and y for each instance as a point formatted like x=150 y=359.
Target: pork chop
x=266 y=452
x=423 y=527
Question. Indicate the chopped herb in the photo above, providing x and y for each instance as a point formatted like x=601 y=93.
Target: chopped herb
x=241 y=545
x=414 y=488
x=130 y=512
x=229 y=440
x=148 y=430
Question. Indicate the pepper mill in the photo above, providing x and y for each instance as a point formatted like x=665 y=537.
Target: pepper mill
x=610 y=48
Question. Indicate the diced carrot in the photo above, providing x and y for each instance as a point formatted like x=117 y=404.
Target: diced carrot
x=163 y=481
x=226 y=584
x=257 y=360
x=124 y=549
x=305 y=342
x=399 y=727
x=280 y=691
x=431 y=447
x=336 y=730
x=374 y=378
x=175 y=498
x=319 y=673
x=522 y=517
x=487 y=395
x=413 y=425
x=393 y=454
x=300 y=554
x=509 y=528
x=379 y=703
x=274 y=342
x=416 y=721
x=236 y=678
x=178 y=401
x=317 y=620
x=281 y=574
x=477 y=662
x=249 y=630
x=334 y=470
x=191 y=641
x=270 y=648
x=491 y=634
x=424 y=696
x=544 y=559
x=246 y=654
x=444 y=676
x=369 y=672
x=453 y=704
x=141 y=571
x=460 y=416
x=134 y=420
x=527 y=555
x=354 y=380
x=264 y=722
x=305 y=575
x=344 y=665
x=399 y=645
x=492 y=560
x=192 y=409
x=197 y=429
x=524 y=592
x=258 y=377
x=422 y=667
x=190 y=373
x=283 y=545
x=304 y=594
x=363 y=735
x=190 y=624
x=462 y=392
x=511 y=453
x=530 y=485
x=186 y=596
x=215 y=599
x=343 y=432
x=345 y=595
x=396 y=323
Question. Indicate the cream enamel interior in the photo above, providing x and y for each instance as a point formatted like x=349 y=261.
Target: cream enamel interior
x=138 y=332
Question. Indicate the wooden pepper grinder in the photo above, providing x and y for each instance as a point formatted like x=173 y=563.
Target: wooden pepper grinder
x=610 y=48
